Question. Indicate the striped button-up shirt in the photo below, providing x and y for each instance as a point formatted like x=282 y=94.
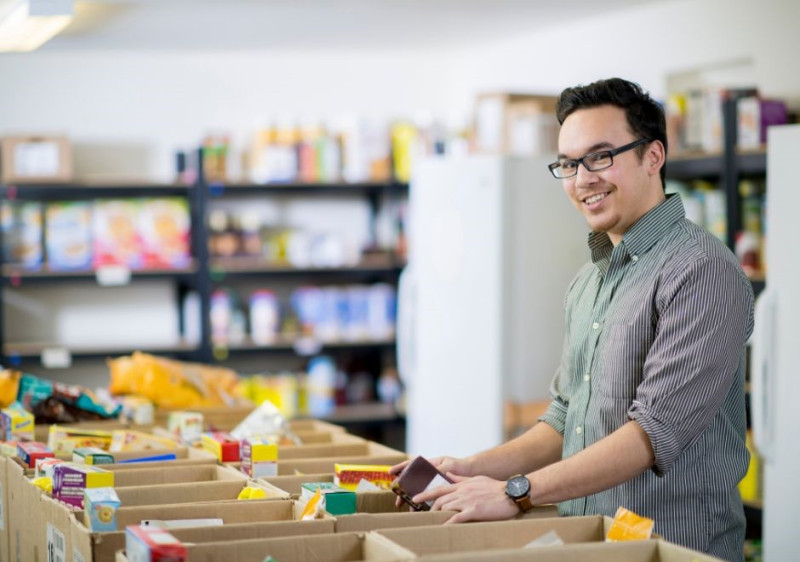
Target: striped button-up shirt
x=655 y=332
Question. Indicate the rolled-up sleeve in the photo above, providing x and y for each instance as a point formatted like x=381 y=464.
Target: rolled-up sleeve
x=704 y=319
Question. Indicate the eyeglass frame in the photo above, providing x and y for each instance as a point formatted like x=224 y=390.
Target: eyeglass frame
x=611 y=153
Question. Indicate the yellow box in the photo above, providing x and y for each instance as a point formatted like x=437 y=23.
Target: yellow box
x=348 y=476
x=17 y=424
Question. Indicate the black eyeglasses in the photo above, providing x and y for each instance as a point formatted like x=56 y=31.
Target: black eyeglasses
x=594 y=161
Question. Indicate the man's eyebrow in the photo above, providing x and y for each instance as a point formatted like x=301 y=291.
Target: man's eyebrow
x=604 y=145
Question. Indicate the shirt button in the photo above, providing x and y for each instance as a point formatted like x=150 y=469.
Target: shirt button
x=579 y=430
x=634 y=257
x=586 y=377
x=595 y=326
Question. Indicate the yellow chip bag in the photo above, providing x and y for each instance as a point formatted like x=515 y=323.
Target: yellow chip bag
x=628 y=526
x=312 y=507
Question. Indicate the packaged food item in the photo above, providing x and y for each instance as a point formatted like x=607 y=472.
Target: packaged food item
x=29 y=451
x=335 y=500
x=70 y=480
x=91 y=455
x=45 y=467
x=9 y=386
x=311 y=510
x=8 y=449
x=68 y=235
x=152 y=544
x=224 y=446
x=138 y=410
x=21 y=225
x=115 y=233
x=251 y=493
x=44 y=483
x=63 y=440
x=100 y=507
x=627 y=526
x=187 y=427
x=259 y=457
x=264 y=317
x=419 y=476
x=164 y=228
x=348 y=476
x=321 y=386
x=128 y=440
x=53 y=402
x=16 y=423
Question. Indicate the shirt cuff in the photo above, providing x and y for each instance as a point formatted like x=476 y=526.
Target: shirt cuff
x=556 y=416
x=662 y=437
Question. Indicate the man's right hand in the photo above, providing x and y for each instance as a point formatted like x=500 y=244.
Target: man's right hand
x=460 y=467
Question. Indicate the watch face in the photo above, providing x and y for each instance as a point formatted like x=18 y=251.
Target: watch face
x=518 y=487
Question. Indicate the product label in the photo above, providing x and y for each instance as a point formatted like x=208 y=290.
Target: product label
x=56 y=545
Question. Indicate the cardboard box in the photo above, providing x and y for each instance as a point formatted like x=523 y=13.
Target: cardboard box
x=512 y=123
x=173 y=475
x=70 y=480
x=100 y=547
x=4 y=550
x=336 y=501
x=259 y=457
x=91 y=455
x=42 y=431
x=35 y=159
x=16 y=424
x=21 y=226
x=321 y=548
x=151 y=544
x=363 y=522
x=634 y=551
x=29 y=452
x=100 y=507
x=341 y=445
x=222 y=445
x=215 y=418
x=193 y=492
x=374 y=453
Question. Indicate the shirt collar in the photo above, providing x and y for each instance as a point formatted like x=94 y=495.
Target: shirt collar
x=642 y=234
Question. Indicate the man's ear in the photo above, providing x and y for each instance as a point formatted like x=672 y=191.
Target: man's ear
x=655 y=157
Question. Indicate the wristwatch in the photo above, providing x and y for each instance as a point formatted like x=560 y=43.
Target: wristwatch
x=518 y=488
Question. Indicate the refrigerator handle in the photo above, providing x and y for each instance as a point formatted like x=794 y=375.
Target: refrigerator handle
x=762 y=374
x=406 y=303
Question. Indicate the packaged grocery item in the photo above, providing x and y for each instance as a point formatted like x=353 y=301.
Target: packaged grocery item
x=251 y=493
x=45 y=467
x=627 y=526
x=70 y=480
x=186 y=427
x=164 y=228
x=128 y=440
x=16 y=423
x=259 y=457
x=63 y=440
x=419 y=476
x=21 y=225
x=8 y=449
x=321 y=386
x=28 y=452
x=9 y=386
x=115 y=233
x=348 y=476
x=381 y=311
x=53 y=402
x=264 y=421
x=138 y=410
x=335 y=500
x=68 y=235
x=91 y=455
x=44 y=483
x=100 y=507
x=264 y=317
x=222 y=445
x=152 y=544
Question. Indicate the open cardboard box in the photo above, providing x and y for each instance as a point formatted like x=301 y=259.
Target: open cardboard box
x=270 y=518
x=378 y=501
x=345 y=547
x=42 y=431
x=371 y=453
x=5 y=552
x=633 y=551
x=193 y=492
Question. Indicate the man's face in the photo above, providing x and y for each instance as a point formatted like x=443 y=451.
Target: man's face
x=613 y=199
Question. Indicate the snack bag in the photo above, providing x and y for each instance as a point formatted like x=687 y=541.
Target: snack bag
x=628 y=526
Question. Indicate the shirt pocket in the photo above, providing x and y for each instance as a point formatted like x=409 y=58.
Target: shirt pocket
x=623 y=348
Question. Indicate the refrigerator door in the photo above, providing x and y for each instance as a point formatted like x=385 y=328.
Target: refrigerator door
x=454 y=386
x=781 y=481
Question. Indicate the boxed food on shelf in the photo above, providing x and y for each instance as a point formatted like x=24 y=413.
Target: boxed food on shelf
x=115 y=233
x=68 y=235
x=165 y=229
x=21 y=225
x=35 y=159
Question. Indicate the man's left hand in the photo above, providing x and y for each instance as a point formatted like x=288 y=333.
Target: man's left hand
x=479 y=498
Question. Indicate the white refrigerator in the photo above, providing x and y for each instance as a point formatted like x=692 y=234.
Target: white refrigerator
x=775 y=353
x=493 y=245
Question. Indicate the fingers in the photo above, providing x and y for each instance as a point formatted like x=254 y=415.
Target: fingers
x=460 y=517
x=456 y=478
x=432 y=495
x=398 y=468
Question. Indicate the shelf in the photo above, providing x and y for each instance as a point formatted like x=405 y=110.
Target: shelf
x=26 y=351
x=752 y=162
x=692 y=165
x=360 y=413
x=337 y=188
x=15 y=276
x=300 y=346
x=88 y=191
x=224 y=267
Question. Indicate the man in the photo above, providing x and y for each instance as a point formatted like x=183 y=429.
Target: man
x=648 y=407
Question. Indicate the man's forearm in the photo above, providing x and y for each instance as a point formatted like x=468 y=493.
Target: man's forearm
x=615 y=459
x=538 y=447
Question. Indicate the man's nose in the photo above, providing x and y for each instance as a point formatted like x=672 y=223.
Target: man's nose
x=585 y=177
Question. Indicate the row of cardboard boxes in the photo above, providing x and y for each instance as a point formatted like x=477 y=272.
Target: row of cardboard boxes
x=196 y=490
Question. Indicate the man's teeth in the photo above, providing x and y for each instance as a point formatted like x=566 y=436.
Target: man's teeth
x=595 y=198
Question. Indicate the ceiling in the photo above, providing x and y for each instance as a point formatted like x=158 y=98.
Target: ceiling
x=313 y=24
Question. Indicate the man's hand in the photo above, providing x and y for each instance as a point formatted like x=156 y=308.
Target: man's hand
x=479 y=498
x=443 y=464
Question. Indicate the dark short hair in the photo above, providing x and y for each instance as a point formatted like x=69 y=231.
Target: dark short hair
x=644 y=115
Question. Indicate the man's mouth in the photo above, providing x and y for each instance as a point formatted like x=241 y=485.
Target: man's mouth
x=592 y=199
